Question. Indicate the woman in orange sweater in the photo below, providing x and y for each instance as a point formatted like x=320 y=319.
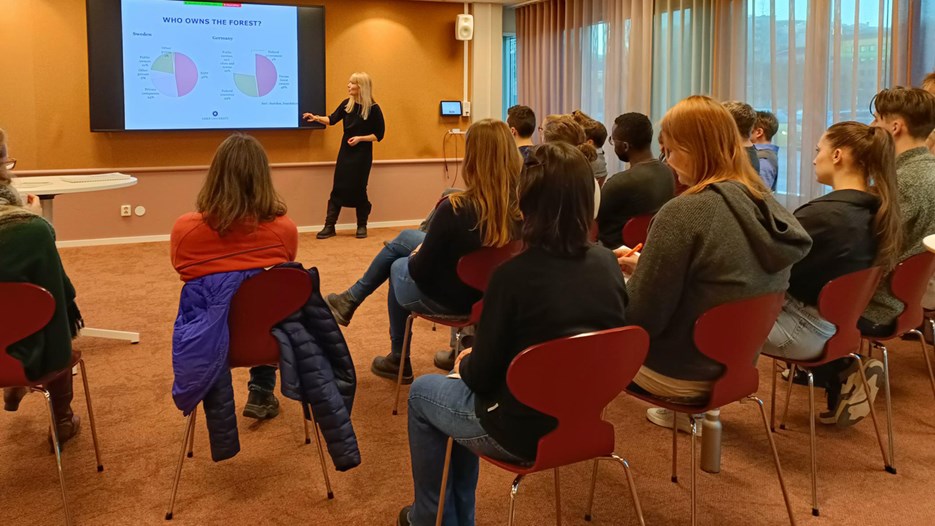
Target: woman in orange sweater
x=240 y=224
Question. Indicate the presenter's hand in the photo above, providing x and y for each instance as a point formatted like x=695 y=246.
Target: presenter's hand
x=310 y=117
x=33 y=204
x=353 y=141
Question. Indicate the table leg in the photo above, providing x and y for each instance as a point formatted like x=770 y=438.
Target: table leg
x=46 y=203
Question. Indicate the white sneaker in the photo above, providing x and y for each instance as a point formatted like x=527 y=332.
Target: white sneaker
x=663 y=418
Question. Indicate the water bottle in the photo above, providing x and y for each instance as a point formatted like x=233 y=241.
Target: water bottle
x=711 y=441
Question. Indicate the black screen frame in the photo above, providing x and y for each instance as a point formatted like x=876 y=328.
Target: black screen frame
x=105 y=68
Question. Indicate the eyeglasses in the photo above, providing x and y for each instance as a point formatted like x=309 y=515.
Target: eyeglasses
x=10 y=163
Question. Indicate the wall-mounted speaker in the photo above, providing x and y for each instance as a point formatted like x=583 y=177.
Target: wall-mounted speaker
x=464 y=27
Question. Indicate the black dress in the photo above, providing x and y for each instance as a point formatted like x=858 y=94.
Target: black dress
x=352 y=170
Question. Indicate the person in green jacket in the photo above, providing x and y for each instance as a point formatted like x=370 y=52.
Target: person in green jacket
x=28 y=254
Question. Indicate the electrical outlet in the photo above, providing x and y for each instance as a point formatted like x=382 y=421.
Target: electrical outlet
x=465 y=109
x=125 y=211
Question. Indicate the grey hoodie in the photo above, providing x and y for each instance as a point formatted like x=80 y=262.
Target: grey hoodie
x=703 y=250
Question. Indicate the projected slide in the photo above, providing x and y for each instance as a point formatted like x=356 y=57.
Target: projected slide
x=191 y=65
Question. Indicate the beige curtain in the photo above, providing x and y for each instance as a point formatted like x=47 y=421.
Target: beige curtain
x=684 y=37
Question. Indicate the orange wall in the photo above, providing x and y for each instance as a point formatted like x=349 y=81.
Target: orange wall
x=408 y=48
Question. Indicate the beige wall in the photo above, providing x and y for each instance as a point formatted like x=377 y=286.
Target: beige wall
x=407 y=47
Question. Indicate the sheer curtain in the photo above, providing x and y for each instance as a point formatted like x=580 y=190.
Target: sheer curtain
x=593 y=55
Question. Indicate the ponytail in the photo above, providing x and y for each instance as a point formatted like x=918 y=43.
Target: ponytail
x=589 y=151
x=874 y=152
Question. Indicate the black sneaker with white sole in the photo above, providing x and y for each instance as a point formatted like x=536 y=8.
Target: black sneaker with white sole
x=854 y=401
x=261 y=405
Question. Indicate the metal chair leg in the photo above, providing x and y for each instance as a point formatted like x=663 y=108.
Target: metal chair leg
x=58 y=453
x=772 y=398
x=925 y=354
x=675 y=447
x=407 y=341
x=191 y=433
x=811 y=440
x=633 y=495
x=889 y=410
x=587 y=516
x=513 y=491
x=558 y=498
x=189 y=422
x=873 y=412
x=306 y=416
x=691 y=419
x=87 y=397
x=785 y=411
x=321 y=453
x=772 y=445
x=441 y=494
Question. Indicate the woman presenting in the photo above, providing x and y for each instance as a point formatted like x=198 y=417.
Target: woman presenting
x=363 y=125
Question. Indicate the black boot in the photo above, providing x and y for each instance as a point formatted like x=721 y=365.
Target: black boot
x=342 y=306
x=388 y=367
x=331 y=217
x=363 y=212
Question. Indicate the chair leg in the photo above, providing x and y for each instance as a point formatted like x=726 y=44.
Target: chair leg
x=513 y=491
x=407 y=341
x=812 y=442
x=58 y=454
x=189 y=422
x=441 y=494
x=772 y=445
x=558 y=499
x=675 y=447
x=633 y=495
x=321 y=454
x=785 y=410
x=87 y=397
x=873 y=414
x=691 y=419
x=587 y=516
x=306 y=416
x=772 y=398
x=925 y=354
x=191 y=433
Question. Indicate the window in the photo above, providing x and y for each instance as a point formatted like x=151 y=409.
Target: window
x=510 y=97
x=594 y=69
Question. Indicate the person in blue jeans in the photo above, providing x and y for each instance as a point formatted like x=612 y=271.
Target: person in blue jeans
x=422 y=267
x=535 y=297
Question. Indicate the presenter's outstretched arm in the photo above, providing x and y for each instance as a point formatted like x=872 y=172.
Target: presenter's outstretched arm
x=311 y=117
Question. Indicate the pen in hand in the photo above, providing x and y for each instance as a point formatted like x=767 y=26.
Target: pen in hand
x=633 y=250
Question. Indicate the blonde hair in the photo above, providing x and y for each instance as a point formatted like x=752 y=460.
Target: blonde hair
x=492 y=165
x=364 y=97
x=4 y=174
x=706 y=133
x=928 y=83
x=564 y=128
x=238 y=186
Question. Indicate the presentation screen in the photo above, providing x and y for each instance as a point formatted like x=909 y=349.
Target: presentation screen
x=188 y=65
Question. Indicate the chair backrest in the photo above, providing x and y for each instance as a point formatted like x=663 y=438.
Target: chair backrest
x=908 y=283
x=258 y=305
x=573 y=379
x=732 y=334
x=842 y=301
x=476 y=268
x=24 y=310
x=636 y=230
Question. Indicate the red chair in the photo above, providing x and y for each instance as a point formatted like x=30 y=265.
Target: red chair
x=571 y=379
x=841 y=302
x=636 y=230
x=908 y=283
x=731 y=334
x=260 y=303
x=474 y=270
x=25 y=310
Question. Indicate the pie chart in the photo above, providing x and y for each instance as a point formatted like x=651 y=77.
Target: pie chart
x=174 y=74
x=260 y=80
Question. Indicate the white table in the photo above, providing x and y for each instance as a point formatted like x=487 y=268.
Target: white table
x=48 y=186
x=929 y=243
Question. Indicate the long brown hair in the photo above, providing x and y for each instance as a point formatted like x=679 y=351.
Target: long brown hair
x=238 y=186
x=705 y=131
x=491 y=172
x=565 y=128
x=874 y=153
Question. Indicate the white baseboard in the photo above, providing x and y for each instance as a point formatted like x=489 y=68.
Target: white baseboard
x=165 y=237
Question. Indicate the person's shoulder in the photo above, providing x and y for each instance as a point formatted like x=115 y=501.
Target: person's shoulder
x=35 y=227
x=189 y=221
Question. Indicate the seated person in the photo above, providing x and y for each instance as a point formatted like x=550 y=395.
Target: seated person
x=745 y=117
x=928 y=84
x=522 y=123
x=422 y=266
x=596 y=134
x=909 y=116
x=28 y=254
x=564 y=128
x=852 y=228
x=724 y=239
x=240 y=224
x=768 y=153
x=532 y=298
x=642 y=189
